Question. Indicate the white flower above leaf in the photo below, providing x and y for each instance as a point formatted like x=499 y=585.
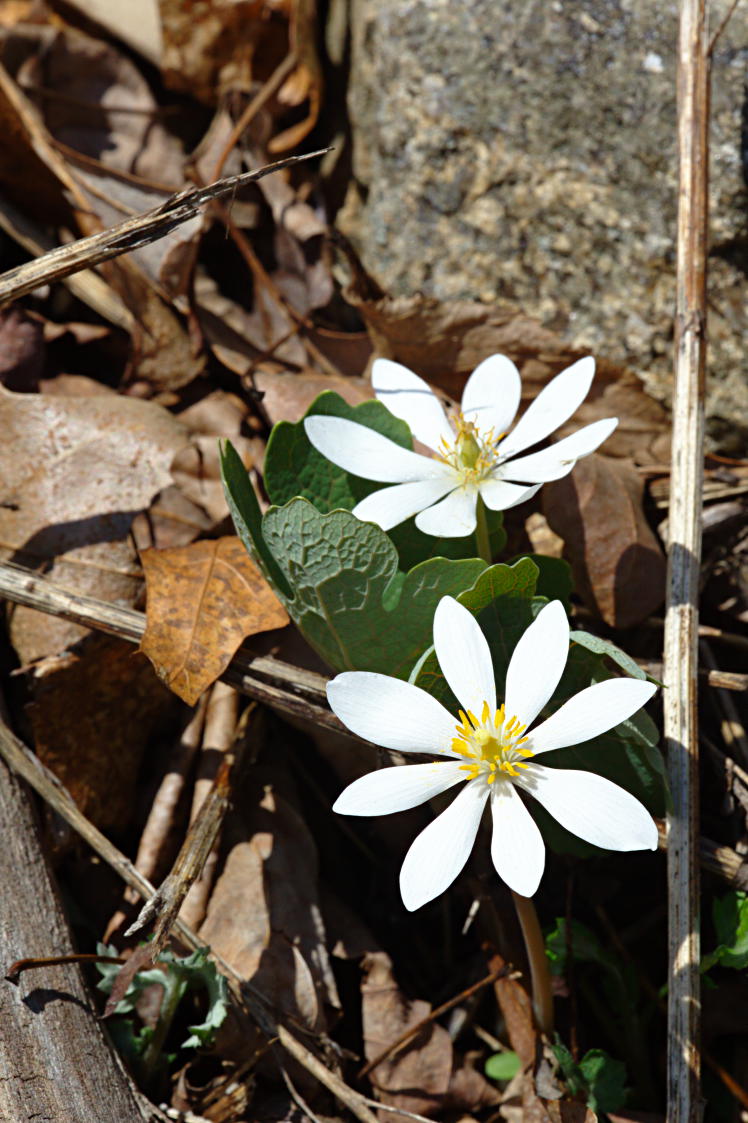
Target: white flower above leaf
x=476 y=455
x=493 y=752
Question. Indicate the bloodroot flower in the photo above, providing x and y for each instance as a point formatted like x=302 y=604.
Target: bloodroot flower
x=473 y=455
x=493 y=752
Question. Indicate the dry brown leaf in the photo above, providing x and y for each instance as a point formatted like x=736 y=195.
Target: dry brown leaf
x=203 y=600
x=617 y=561
x=263 y=916
x=445 y=342
x=21 y=350
x=93 y=713
x=96 y=80
x=287 y=397
x=417 y=1076
x=36 y=176
x=75 y=472
x=212 y=50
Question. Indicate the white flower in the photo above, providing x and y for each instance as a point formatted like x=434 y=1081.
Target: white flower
x=475 y=456
x=491 y=752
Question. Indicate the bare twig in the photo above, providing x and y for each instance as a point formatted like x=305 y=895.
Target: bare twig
x=681 y=617
x=130 y=234
x=721 y=27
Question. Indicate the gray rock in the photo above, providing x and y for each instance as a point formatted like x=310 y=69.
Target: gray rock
x=525 y=150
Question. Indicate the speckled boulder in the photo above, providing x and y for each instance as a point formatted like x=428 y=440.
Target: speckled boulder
x=526 y=151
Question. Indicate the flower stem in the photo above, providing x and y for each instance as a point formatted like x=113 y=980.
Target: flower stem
x=542 y=997
x=482 y=538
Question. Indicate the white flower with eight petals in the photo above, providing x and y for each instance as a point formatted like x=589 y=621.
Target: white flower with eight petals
x=492 y=751
x=477 y=456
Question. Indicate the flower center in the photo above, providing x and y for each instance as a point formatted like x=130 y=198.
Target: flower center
x=473 y=453
x=492 y=745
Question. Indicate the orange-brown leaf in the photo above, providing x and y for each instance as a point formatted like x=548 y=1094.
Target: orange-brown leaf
x=203 y=600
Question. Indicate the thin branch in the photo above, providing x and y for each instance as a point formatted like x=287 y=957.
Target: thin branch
x=684 y=553
x=721 y=27
x=130 y=234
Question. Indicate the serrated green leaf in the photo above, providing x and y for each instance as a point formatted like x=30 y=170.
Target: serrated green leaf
x=502 y=1066
x=350 y=600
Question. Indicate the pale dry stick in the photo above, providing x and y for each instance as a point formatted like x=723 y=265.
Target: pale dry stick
x=23 y=586
x=220 y=728
x=130 y=234
x=87 y=286
x=160 y=822
x=45 y=783
x=684 y=552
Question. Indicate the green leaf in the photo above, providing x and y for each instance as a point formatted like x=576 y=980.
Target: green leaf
x=245 y=511
x=502 y=602
x=555 y=581
x=605 y=1079
x=598 y=1078
x=502 y=1066
x=730 y=915
x=607 y=647
x=349 y=599
x=293 y=467
x=414 y=546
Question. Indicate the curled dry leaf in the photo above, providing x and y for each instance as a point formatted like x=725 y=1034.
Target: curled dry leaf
x=203 y=600
x=417 y=1076
x=617 y=561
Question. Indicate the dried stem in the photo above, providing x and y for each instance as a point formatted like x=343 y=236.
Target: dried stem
x=128 y=235
x=681 y=618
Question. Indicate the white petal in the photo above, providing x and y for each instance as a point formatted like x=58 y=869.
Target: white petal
x=557 y=461
x=500 y=495
x=464 y=656
x=591 y=712
x=491 y=395
x=537 y=663
x=393 y=505
x=555 y=404
x=591 y=807
x=441 y=850
x=368 y=454
x=398 y=788
x=411 y=399
x=391 y=713
x=453 y=517
x=517 y=847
